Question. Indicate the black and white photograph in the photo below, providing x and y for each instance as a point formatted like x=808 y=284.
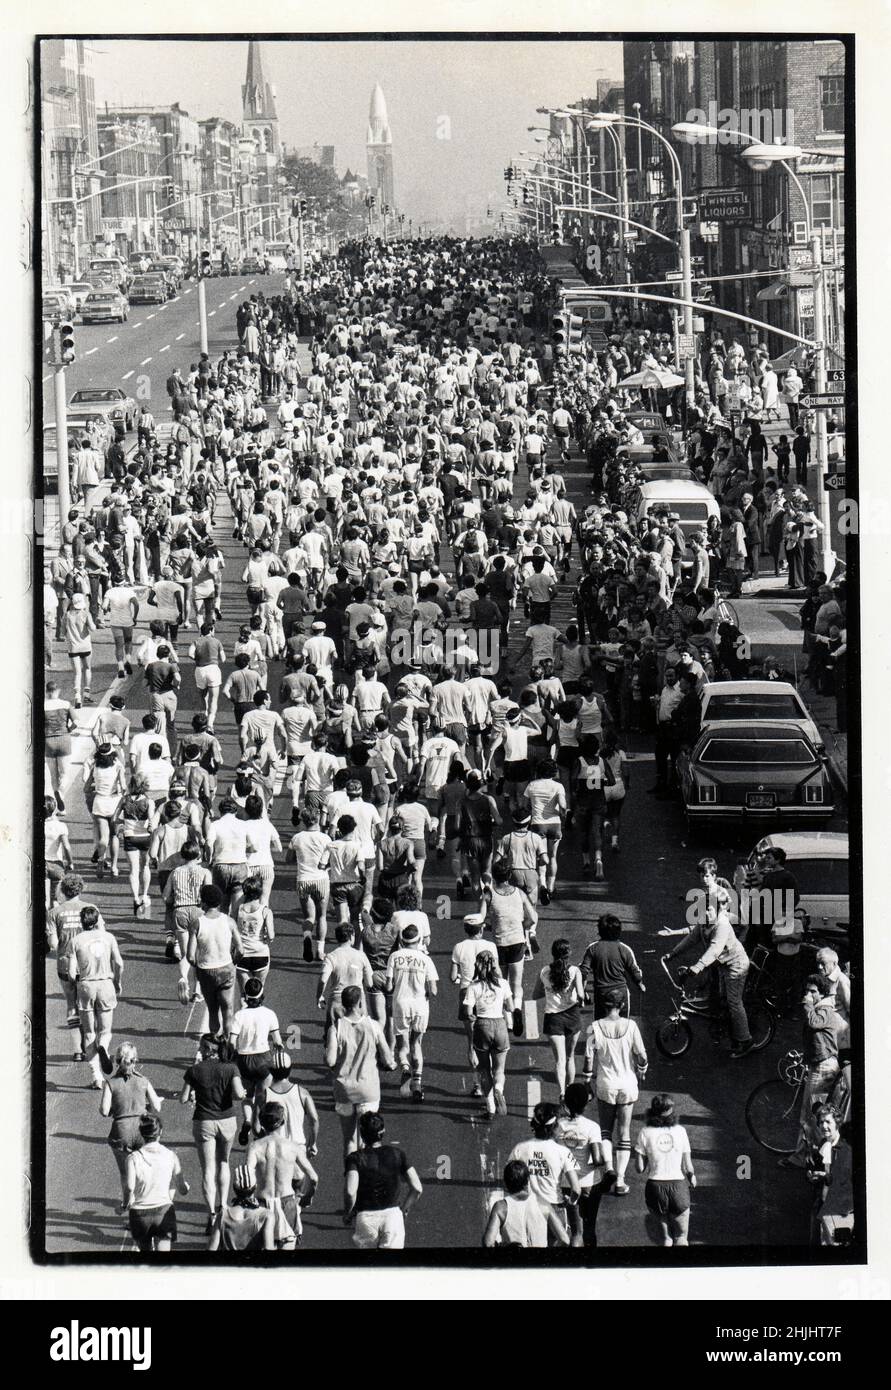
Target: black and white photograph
x=447 y=704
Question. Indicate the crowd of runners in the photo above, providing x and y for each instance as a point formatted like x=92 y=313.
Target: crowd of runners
x=401 y=503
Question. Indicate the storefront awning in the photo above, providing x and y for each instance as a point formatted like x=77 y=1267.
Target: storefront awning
x=777 y=289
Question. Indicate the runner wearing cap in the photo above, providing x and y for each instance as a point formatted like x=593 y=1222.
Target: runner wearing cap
x=526 y=853
x=242 y=1225
x=411 y=983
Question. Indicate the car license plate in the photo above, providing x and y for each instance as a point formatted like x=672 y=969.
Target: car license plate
x=760 y=801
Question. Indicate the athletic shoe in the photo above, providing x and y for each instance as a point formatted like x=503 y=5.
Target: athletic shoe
x=78 y=1056
x=121 y=673
x=96 y=1084
x=105 y=1061
x=621 y=1189
x=459 y=890
x=197 y=995
x=72 y=1019
x=418 y=1095
x=128 y=668
x=615 y=842
x=518 y=1023
x=741 y=1049
x=60 y=804
x=477 y=1089
x=405 y=1084
x=500 y=1102
x=545 y=895
x=307 y=948
x=169 y=949
x=598 y=869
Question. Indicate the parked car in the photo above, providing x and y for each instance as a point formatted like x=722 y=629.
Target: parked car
x=757 y=700
x=75 y=433
x=251 y=265
x=54 y=306
x=739 y=771
x=111 y=402
x=647 y=420
x=168 y=275
x=113 y=268
x=105 y=305
x=139 y=262
x=62 y=292
x=149 y=289
x=818 y=861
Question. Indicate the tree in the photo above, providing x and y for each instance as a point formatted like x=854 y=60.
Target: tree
x=321 y=187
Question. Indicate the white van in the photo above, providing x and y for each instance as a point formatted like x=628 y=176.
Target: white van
x=692 y=501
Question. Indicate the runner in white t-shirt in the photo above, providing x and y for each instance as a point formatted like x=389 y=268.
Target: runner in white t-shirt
x=411 y=983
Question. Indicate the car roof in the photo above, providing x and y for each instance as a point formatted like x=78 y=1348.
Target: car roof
x=808 y=844
x=749 y=688
x=681 y=488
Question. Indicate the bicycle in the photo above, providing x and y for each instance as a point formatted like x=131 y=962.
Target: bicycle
x=674 y=1035
x=773 y=1109
x=724 y=609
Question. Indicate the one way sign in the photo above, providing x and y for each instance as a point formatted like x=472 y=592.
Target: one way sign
x=834 y=481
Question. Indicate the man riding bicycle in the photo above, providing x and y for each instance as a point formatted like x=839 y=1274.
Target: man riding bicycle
x=726 y=952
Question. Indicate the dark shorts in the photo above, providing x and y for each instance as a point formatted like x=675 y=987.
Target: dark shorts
x=253 y=1066
x=479 y=730
x=458 y=732
x=258 y=961
x=349 y=893
x=551 y=833
x=149 y=1223
x=510 y=955
x=216 y=980
x=564 y=1024
x=490 y=1035
x=132 y=842
x=667 y=1197
x=567 y=756
x=229 y=876
x=54 y=872
x=517 y=771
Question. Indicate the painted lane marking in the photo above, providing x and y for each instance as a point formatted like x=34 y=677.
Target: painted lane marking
x=533 y=1094
x=144 y=361
x=165 y=348
x=113 y=339
x=89 y=352
x=187 y=291
x=530 y=1015
x=126 y=375
x=180 y=335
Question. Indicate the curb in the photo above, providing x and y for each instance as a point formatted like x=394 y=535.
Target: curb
x=837 y=763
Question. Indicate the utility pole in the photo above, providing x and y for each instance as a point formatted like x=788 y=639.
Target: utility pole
x=301 y=250
x=687 y=282
x=202 y=260
x=820 y=328
x=61 y=401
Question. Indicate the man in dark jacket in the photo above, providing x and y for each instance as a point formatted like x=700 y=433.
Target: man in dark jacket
x=687 y=718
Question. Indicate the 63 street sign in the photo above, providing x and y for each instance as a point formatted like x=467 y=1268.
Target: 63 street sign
x=823 y=400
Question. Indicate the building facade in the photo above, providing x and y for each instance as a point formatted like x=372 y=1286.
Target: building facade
x=178 y=185
x=771 y=91
x=219 y=173
x=130 y=153
x=70 y=171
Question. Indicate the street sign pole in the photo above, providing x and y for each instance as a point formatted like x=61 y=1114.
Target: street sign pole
x=820 y=326
x=300 y=247
x=64 y=481
x=688 y=314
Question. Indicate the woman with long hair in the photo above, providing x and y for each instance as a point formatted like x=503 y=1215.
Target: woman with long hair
x=662 y=1151
x=615 y=1047
x=58 y=726
x=127 y=1095
x=560 y=986
x=104 y=787
x=134 y=822
x=488 y=1004
x=256 y=927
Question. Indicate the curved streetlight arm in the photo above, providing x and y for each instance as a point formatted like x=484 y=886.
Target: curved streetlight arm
x=616 y=217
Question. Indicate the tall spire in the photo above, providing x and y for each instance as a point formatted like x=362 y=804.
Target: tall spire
x=256 y=93
x=378 y=123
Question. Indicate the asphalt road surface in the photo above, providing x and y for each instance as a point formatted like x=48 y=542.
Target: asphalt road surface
x=742 y=1198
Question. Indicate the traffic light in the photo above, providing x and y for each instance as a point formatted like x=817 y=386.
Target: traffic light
x=298 y=207
x=66 y=342
x=567 y=333
x=509 y=174
x=206 y=268
x=527 y=193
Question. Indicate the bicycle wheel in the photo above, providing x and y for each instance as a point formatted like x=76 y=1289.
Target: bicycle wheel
x=674 y=1037
x=728 y=612
x=772 y=1112
x=762 y=1024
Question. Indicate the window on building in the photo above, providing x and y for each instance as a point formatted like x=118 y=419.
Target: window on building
x=821 y=200
x=832 y=105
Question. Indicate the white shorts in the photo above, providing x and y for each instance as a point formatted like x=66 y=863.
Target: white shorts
x=206 y=677
x=380 y=1230
x=618 y=1095
x=412 y=1018
x=346 y=1108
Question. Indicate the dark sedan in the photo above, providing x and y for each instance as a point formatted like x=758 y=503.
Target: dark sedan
x=766 y=773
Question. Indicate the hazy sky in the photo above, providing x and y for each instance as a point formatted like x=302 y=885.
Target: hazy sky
x=458 y=110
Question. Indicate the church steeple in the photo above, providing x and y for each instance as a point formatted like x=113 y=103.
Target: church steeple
x=259 y=116
x=379 y=149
